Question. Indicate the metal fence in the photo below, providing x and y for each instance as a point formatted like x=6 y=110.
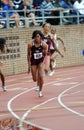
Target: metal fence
x=64 y=17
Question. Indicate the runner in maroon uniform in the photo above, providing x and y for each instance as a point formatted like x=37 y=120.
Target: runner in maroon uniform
x=36 y=52
x=49 y=41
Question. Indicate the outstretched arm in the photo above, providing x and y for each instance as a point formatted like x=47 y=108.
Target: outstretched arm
x=56 y=49
x=28 y=56
x=59 y=39
x=45 y=47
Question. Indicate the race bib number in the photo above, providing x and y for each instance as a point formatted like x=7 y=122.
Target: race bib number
x=45 y=40
x=37 y=55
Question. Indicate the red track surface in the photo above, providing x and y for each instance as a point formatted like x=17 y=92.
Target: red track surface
x=60 y=108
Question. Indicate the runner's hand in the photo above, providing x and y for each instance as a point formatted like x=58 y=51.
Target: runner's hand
x=64 y=48
x=62 y=55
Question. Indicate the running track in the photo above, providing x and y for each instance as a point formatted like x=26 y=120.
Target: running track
x=60 y=108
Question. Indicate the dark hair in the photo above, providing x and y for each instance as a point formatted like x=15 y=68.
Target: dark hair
x=53 y=29
x=2 y=43
x=45 y=24
x=37 y=32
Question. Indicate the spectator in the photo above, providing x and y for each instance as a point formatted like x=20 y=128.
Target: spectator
x=47 y=4
x=37 y=5
x=17 y=4
x=79 y=6
x=58 y=9
x=24 y=6
x=67 y=4
x=11 y=13
x=1 y=4
x=2 y=22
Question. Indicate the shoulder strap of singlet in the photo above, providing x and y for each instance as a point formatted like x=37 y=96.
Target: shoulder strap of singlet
x=33 y=43
x=48 y=36
x=41 y=43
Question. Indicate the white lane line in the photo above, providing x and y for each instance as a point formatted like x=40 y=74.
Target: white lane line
x=11 y=100
x=65 y=83
x=35 y=107
x=17 y=77
x=16 y=116
x=9 y=103
x=63 y=105
x=26 y=114
x=17 y=88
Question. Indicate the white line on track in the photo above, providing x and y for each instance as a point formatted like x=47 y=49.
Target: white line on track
x=26 y=114
x=63 y=105
x=30 y=110
x=14 y=78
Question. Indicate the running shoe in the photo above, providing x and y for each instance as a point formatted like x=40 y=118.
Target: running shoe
x=40 y=94
x=4 y=88
x=54 y=64
x=51 y=73
x=47 y=73
x=37 y=88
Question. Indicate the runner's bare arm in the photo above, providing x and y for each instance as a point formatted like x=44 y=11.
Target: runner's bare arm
x=45 y=47
x=28 y=56
x=58 y=38
x=54 y=45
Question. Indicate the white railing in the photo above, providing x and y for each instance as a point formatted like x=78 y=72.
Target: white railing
x=42 y=18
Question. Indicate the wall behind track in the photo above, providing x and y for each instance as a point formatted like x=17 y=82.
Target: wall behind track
x=16 y=61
